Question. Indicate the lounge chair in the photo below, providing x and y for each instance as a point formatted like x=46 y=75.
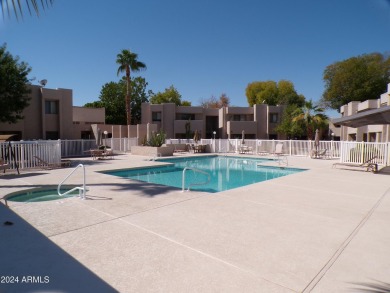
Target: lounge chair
x=179 y=149
x=319 y=154
x=3 y=165
x=243 y=149
x=191 y=148
x=282 y=160
x=278 y=149
x=46 y=165
x=368 y=165
x=108 y=153
x=261 y=149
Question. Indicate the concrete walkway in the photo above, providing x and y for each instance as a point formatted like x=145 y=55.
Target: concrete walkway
x=322 y=230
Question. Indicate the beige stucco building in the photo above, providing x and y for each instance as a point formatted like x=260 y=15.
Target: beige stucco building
x=51 y=115
x=368 y=132
x=258 y=122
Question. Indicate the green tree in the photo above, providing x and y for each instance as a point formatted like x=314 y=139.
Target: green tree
x=170 y=95
x=13 y=86
x=140 y=95
x=272 y=93
x=212 y=102
x=355 y=79
x=311 y=117
x=128 y=62
x=287 y=94
x=287 y=126
x=262 y=92
x=111 y=98
x=17 y=7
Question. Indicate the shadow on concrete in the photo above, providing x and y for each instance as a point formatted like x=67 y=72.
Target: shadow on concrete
x=21 y=175
x=39 y=264
x=140 y=188
x=384 y=171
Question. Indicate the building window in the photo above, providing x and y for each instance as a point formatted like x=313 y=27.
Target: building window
x=89 y=123
x=86 y=134
x=272 y=136
x=273 y=118
x=156 y=116
x=52 y=135
x=51 y=107
x=185 y=116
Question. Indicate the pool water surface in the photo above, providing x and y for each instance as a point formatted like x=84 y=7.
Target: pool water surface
x=225 y=172
x=39 y=195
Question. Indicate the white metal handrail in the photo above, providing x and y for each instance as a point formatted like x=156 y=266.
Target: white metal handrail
x=82 y=190
x=282 y=160
x=195 y=170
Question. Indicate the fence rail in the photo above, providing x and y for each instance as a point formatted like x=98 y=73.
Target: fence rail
x=290 y=147
x=24 y=152
x=121 y=144
x=360 y=152
x=77 y=148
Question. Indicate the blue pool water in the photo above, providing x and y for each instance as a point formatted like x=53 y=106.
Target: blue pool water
x=225 y=172
x=38 y=195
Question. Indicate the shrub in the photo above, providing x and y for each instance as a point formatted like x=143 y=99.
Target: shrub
x=156 y=139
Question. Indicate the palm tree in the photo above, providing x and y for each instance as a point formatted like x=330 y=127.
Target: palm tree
x=311 y=117
x=128 y=62
x=16 y=6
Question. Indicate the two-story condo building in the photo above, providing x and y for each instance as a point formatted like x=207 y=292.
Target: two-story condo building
x=258 y=121
x=51 y=115
x=368 y=117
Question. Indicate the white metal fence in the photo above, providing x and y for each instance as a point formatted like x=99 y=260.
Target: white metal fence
x=77 y=148
x=259 y=146
x=81 y=147
x=121 y=144
x=360 y=152
x=24 y=152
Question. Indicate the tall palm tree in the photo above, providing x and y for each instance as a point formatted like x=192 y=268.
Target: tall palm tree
x=16 y=6
x=128 y=62
x=311 y=117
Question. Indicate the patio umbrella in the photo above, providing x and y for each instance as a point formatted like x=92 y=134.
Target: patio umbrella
x=99 y=137
x=243 y=137
x=317 y=140
x=196 y=136
x=148 y=132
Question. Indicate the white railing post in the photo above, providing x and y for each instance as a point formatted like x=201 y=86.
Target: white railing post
x=22 y=150
x=342 y=150
x=362 y=152
x=331 y=149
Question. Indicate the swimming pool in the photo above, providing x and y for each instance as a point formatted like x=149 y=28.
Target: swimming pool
x=225 y=172
x=38 y=195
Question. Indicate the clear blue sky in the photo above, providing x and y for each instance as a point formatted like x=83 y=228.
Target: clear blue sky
x=203 y=48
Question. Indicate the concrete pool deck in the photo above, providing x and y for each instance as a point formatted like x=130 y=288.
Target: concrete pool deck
x=322 y=230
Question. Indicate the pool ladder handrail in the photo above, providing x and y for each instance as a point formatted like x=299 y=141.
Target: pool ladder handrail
x=282 y=160
x=82 y=190
x=195 y=170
